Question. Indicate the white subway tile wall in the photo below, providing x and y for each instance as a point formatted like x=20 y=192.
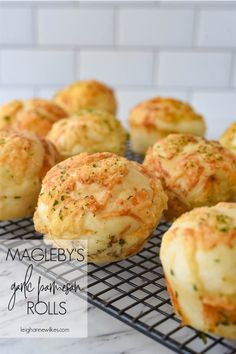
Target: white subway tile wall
x=37 y=66
x=217 y=28
x=75 y=27
x=154 y=27
x=16 y=26
x=193 y=69
x=117 y=67
x=219 y=108
x=142 y=48
x=7 y=94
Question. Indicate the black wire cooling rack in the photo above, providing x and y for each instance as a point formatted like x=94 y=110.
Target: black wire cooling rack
x=132 y=290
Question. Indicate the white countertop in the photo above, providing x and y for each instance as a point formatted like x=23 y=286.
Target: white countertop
x=105 y=333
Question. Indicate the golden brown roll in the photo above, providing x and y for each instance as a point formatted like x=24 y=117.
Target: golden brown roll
x=86 y=95
x=154 y=119
x=228 y=139
x=103 y=199
x=194 y=172
x=88 y=131
x=198 y=254
x=35 y=115
x=24 y=160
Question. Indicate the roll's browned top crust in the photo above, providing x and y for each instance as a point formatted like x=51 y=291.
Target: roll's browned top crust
x=157 y=111
x=111 y=203
x=36 y=115
x=85 y=95
x=24 y=161
x=154 y=119
x=88 y=131
x=194 y=172
x=228 y=138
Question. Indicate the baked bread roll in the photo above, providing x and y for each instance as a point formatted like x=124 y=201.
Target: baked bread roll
x=228 y=139
x=194 y=172
x=198 y=254
x=102 y=201
x=36 y=115
x=24 y=160
x=88 y=131
x=154 y=119
x=85 y=95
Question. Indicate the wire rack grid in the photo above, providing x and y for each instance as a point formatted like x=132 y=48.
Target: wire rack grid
x=131 y=290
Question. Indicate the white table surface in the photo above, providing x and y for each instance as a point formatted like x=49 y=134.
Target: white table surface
x=107 y=335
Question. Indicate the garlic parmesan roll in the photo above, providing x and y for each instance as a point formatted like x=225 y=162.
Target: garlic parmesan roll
x=86 y=94
x=198 y=254
x=228 y=139
x=194 y=172
x=88 y=131
x=35 y=115
x=154 y=119
x=102 y=201
x=24 y=160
